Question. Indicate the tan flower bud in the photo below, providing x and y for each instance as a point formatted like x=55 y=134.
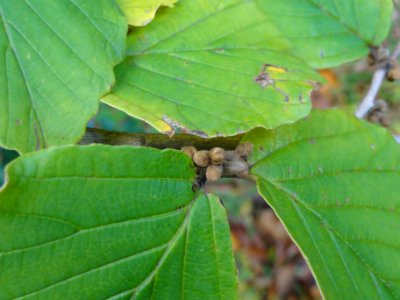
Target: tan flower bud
x=244 y=149
x=386 y=121
x=231 y=155
x=189 y=150
x=235 y=167
x=217 y=155
x=393 y=74
x=201 y=158
x=214 y=172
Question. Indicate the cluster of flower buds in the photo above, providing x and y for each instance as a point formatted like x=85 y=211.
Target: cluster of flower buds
x=219 y=162
x=394 y=72
x=380 y=58
x=379 y=113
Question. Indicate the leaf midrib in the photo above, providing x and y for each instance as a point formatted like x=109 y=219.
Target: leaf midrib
x=338 y=173
x=63 y=281
x=168 y=246
x=215 y=248
x=227 y=92
x=82 y=230
x=94 y=25
x=56 y=178
x=337 y=19
x=168 y=249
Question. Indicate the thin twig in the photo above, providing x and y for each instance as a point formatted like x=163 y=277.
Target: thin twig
x=368 y=102
x=158 y=140
x=379 y=76
x=396 y=52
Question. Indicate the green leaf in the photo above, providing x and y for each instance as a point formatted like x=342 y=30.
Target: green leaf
x=140 y=13
x=101 y=222
x=214 y=68
x=201 y=66
x=327 y=33
x=56 y=62
x=334 y=182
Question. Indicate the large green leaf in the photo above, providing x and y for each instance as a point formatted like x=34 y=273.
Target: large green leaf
x=57 y=60
x=326 y=33
x=99 y=222
x=202 y=66
x=334 y=182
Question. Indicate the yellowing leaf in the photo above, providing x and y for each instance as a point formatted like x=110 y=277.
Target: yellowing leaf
x=140 y=13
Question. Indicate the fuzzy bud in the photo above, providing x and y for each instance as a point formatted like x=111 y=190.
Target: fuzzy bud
x=386 y=121
x=375 y=117
x=231 y=155
x=393 y=74
x=217 y=155
x=245 y=149
x=201 y=158
x=214 y=172
x=236 y=167
x=189 y=150
x=380 y=105
x=243 y=174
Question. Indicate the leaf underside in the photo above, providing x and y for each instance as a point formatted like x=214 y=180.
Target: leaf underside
x=223 y=67
x=56 y=62
x=333 y=181
x=82 y=223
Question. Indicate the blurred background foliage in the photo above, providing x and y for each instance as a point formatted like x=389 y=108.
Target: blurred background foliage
x=270 y=265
